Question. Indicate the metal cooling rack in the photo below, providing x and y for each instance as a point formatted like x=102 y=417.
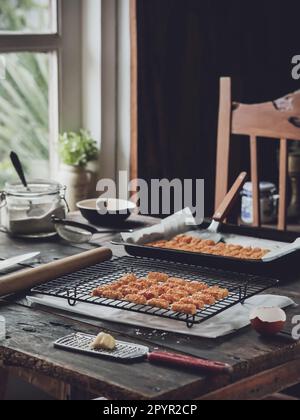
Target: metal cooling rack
x=77 y=287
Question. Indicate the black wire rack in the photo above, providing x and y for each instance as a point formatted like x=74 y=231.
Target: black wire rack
x=78 y=286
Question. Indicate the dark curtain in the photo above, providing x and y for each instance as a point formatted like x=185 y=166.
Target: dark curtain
x=184 y=47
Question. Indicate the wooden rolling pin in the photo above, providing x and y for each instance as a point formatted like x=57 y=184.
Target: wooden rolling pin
x=26 y=279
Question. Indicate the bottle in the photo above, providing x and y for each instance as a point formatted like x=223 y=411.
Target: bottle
x=268 y=203
x=2 y=328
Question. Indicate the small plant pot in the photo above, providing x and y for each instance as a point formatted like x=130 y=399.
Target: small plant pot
x=76 y=179
x=93 y=171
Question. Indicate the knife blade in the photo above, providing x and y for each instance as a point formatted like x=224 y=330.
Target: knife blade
x=11 y=262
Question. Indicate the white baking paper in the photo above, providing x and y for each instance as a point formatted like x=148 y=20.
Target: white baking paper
x=174 y=225
x=228 y=322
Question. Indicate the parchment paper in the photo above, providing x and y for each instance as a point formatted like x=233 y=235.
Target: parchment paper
x=183 y=222
x=221 y=325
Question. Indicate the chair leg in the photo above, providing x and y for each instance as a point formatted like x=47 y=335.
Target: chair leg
x=3 y=383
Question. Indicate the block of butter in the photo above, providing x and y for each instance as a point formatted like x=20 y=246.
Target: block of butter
x=103 y=342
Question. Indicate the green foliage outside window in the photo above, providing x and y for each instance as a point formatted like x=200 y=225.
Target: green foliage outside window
x=24 y=125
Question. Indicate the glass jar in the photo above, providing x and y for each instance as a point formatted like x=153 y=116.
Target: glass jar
x=268 y=203
x=27 y=212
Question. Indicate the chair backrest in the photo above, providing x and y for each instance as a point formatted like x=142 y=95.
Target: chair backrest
x=279 y=119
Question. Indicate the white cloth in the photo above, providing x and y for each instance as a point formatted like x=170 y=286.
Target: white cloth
x=226 y=323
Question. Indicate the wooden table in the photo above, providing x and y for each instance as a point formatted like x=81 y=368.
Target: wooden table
x=261 y=366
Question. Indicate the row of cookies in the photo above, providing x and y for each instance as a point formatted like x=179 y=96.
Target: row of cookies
x=196 y=245
x=162 y=291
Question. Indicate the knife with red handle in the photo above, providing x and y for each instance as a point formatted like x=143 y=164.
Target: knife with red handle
x=178 y=360
x=130 y=352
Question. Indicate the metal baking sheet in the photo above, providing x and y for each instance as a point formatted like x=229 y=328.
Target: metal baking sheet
x=241 y=235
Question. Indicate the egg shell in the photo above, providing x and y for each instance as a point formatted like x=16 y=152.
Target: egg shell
x=268 y=321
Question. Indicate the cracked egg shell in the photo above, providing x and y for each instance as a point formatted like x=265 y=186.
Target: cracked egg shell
x=268 y=321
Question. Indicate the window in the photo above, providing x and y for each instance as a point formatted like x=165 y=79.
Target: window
x=29 y=50
x=63 y=63
x=33 y=16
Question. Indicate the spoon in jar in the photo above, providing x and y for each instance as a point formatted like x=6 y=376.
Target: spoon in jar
x=32 y=212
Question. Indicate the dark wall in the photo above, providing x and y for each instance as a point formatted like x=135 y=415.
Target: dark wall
x=184 y=47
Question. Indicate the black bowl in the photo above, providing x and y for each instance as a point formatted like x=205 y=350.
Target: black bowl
x=117 y=213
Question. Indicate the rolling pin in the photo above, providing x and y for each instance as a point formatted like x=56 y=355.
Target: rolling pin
x=26 y=279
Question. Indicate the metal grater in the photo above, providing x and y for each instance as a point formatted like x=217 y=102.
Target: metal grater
x=80 y=343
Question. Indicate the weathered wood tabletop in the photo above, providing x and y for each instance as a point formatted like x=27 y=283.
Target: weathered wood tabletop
x=260 y=366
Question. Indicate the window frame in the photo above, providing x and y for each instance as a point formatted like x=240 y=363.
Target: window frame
x=47 y=43
x=109 y=121
x=11 y=41
x=29 y=42
x=106 y=42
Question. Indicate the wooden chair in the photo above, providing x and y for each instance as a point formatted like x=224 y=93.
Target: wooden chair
x=279 y=119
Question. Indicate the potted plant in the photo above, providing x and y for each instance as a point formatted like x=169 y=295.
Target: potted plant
x=76 y=151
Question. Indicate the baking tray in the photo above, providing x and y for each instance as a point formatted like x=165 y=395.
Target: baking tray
x=280 y=268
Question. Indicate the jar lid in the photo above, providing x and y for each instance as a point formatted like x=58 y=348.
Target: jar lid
x=263 y=186
x=36 y=188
